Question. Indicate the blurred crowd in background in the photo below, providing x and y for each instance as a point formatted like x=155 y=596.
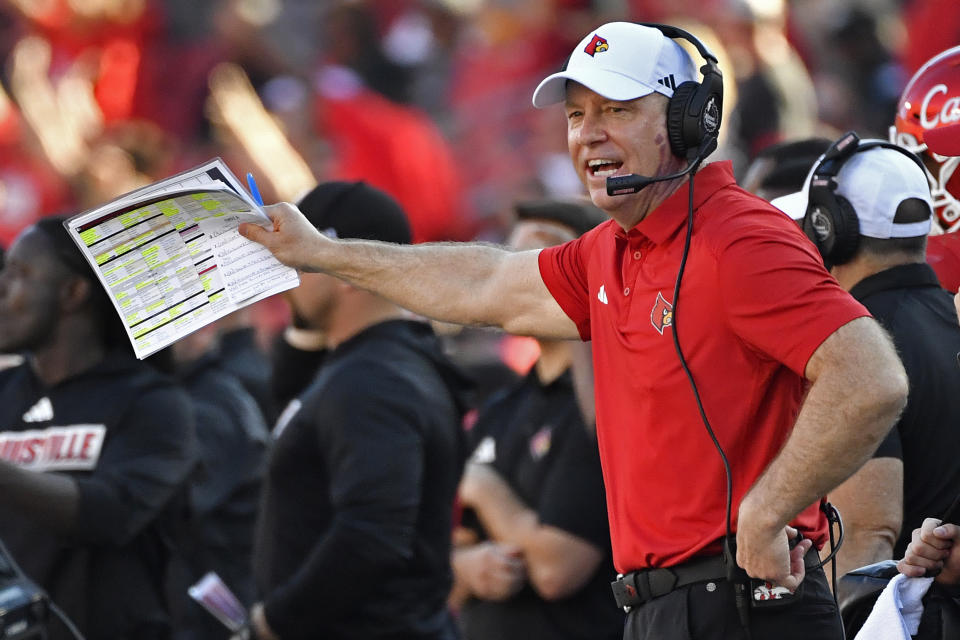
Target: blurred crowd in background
x=426 y=99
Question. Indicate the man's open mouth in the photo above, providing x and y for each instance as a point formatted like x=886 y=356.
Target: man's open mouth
x=603 y=167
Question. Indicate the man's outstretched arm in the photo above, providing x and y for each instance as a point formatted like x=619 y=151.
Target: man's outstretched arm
x=463 y=283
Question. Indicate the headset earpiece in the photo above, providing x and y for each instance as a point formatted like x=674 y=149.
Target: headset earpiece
x=694 y=112
x=834 y=228
x=830 y=221
x=847 y=232
x=676 y=117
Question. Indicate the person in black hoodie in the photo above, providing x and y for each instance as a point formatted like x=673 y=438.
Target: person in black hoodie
x=95 y=446
x=353 y=537
x=224 y=493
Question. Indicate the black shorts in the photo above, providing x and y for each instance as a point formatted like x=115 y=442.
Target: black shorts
x=706 y=611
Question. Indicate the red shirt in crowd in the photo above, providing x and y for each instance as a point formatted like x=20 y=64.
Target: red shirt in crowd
x=756 y=303
x=399 y=150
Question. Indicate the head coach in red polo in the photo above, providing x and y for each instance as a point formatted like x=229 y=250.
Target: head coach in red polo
x=723 y=350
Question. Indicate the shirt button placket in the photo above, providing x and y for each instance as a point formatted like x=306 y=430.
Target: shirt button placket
x=631 y=267
x=637 y=254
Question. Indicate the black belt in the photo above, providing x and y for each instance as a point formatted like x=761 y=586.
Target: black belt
x=638 y=587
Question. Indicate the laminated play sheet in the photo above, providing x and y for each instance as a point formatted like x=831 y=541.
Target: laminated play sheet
x=171 y=258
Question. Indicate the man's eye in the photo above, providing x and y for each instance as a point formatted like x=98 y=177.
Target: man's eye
x=574 y=114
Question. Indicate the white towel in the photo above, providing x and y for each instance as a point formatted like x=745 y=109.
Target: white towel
x=896 y=614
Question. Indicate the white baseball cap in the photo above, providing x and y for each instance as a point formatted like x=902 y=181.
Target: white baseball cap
x=875 y=182
x=621 y=61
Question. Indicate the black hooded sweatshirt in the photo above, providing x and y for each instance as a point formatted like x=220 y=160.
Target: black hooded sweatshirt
x=353 y=539
x=125 y=435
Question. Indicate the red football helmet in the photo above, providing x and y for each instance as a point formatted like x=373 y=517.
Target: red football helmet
x=932 y=100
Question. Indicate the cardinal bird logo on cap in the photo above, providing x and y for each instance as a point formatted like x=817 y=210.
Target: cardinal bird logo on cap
x=661 y=316
x=597 y=45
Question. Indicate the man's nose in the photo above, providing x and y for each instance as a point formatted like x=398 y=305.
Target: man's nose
x=592 y=129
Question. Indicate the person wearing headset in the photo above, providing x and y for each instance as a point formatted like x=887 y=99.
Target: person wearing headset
x=867 y=206
x=772 y=343
x=934 y=546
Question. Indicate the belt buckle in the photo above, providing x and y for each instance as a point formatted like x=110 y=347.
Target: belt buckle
x=620 y=577
x=634 y=587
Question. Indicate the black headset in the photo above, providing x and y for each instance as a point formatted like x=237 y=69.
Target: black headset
x=693 y=116
x=830 y=221
x=694 y=112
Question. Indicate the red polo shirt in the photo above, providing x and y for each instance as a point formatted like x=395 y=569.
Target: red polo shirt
x=756 y=303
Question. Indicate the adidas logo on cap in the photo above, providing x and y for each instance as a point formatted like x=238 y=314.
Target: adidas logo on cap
x=668 y=81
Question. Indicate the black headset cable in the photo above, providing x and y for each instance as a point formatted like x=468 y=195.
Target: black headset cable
x=735 y=574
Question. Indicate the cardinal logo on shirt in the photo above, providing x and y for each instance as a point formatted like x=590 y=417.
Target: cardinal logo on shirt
x=661 y=316
x=597 y=45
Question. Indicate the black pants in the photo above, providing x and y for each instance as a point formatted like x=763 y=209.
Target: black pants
x=706 y=611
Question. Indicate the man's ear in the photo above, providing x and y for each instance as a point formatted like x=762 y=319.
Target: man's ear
x=75 y=291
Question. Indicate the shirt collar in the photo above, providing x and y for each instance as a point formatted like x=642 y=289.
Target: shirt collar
x=918 y=274
x=661 y=223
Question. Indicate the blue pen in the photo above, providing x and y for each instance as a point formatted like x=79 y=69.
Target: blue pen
x=253 y=189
